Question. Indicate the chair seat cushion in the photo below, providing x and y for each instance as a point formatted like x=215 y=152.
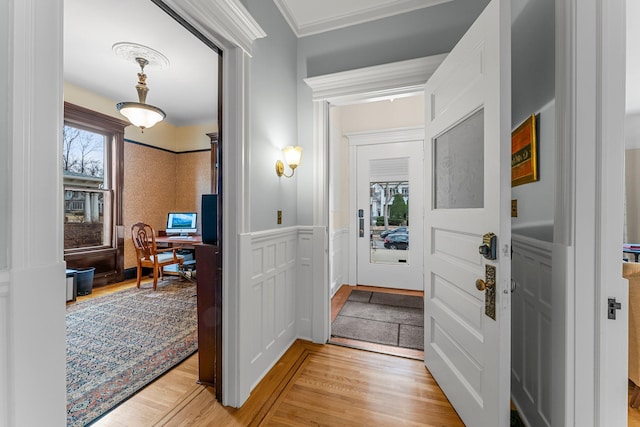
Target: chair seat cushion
x=165 y=257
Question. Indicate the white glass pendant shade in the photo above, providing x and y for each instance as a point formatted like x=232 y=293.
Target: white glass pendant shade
x=141 y=115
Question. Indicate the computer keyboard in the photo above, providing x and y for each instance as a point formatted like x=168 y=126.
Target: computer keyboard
x=181 y=237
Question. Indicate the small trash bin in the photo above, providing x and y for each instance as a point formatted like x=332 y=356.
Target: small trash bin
x=84 y=280
x=72 y=289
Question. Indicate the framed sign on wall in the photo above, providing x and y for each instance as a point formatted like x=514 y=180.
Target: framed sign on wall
x=524 y=153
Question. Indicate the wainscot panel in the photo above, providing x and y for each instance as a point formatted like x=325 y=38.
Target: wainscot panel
x=267 y=295
x=531 y=329
x=339 y=256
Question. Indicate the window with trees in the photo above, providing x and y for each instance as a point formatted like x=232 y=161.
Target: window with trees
x=86 y=188
x=93 y=170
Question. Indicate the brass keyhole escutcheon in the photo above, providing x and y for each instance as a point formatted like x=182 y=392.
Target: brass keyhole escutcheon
x=488 y=285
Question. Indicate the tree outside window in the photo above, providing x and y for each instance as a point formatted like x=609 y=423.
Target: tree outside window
x=86 y=188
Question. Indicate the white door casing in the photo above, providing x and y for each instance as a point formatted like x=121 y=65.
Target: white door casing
x=468 y=352
x=397 y=161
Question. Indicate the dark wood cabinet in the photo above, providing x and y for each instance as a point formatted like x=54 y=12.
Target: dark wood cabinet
x=209 y=289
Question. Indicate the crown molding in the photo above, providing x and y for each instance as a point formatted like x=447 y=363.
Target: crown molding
x=372 y=13
x=386 y=80
x=226 y=19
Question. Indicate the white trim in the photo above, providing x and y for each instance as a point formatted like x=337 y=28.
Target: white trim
x=4 y=345
x=378 y=81
x=233 y=212
x=405 y=134
x=225 y=22
x=302 y=29
x=612 y=349
x=589 y=379
x=348 y=86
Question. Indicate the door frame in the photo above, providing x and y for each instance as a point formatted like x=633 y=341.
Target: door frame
x=590 y=71
x=348 y=87
x=384 y=136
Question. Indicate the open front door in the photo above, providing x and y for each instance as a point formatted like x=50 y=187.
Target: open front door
x=467 y=195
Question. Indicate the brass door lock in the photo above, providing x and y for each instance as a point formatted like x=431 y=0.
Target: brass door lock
x=489 y=245
x=488 y=285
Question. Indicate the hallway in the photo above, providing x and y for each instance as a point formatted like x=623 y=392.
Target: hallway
x=310 y=385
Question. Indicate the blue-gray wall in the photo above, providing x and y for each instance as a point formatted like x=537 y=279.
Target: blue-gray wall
x=273 y=87
x=533 y=92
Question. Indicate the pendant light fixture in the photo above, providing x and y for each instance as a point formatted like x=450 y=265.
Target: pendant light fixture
x=140 y=113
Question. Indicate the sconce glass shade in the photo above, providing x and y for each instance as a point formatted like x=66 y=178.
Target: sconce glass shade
x=292 y=156
x=141 y=115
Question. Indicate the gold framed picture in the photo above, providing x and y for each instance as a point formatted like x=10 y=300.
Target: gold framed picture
x=524 y=153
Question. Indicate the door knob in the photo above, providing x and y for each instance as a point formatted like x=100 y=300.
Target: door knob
x=481 y=285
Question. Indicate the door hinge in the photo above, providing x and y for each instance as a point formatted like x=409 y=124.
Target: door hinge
x=612 y=306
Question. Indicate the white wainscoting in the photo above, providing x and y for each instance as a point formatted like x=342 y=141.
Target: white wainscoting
x=531 y=329
x=267 y=296
x=4 y=345
x=339 y=256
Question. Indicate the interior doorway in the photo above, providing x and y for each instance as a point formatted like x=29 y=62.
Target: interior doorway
x=375 y=157
x=389 y=204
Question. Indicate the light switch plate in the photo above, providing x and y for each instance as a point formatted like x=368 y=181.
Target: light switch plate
x=514 y=208
x=279 y=217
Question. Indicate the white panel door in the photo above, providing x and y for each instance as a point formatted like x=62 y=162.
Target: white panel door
x=389 y=194
x=468 y=175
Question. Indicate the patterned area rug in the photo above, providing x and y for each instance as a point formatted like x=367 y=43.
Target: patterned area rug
x=118 y=343
x=382 y=318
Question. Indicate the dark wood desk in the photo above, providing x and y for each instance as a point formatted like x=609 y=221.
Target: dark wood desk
x=178 y=240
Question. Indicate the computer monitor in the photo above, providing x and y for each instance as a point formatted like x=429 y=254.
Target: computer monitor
x=181 y=223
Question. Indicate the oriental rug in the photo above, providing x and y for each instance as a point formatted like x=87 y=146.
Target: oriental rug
x=118 y=343
x=382 y=318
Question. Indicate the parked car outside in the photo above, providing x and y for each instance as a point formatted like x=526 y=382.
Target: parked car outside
x=397 y=241
x=402 y=229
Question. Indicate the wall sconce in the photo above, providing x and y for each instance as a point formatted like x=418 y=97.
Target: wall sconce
x=292 y=157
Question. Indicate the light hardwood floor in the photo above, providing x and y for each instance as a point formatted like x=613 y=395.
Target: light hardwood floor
x=310 y=385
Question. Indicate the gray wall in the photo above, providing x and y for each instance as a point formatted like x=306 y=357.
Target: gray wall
x=533 y=92
x=532 y=57
x=411 y=35
x=273 y=118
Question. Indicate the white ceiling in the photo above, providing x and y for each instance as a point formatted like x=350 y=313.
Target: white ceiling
x=311 y=17
x=186 y=90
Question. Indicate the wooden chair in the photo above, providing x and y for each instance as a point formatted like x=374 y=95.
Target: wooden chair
x=148 y=255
